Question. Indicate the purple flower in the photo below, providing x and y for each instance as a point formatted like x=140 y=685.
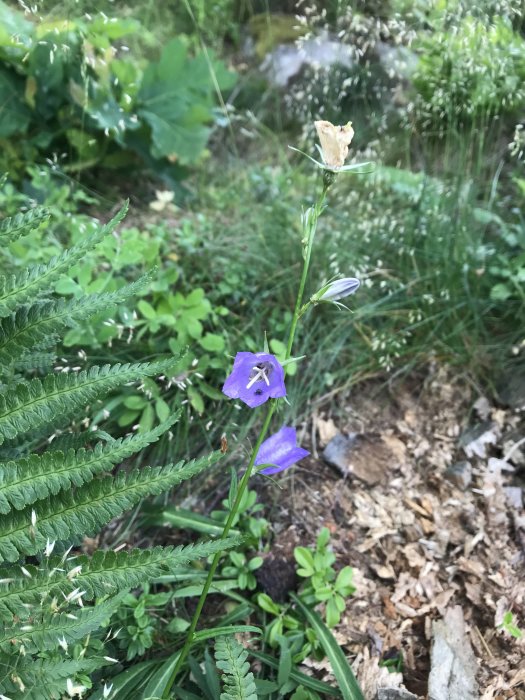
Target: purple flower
x=280 y=449
x=255 y=378
x=340 y=289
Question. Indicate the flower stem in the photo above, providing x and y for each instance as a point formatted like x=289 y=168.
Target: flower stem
x=310 y=219
x=227 y=527
x=309 y=227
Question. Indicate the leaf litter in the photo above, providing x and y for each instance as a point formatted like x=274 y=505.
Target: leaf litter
x=438 y=561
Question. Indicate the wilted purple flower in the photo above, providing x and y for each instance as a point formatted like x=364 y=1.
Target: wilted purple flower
x=255 y=378
x=280 y=449
x=340 y=289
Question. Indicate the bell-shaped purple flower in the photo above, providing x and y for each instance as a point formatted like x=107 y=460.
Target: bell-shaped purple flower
x=280 y=450
x=255 y=378
x=340 y=289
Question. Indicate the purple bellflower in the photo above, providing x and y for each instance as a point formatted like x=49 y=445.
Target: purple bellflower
x=280 y=450
x=255 y=378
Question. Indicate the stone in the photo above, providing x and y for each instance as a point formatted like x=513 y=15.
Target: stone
x=363 y=456
x=460 y=474
x=453 y=665
x=395 y=694
x=287 y=61
x=474 y=440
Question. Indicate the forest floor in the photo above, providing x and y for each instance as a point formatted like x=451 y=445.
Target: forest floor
x=428 y=542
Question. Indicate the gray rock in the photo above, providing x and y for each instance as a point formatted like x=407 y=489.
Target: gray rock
x=453 y=665
x=396 y=61
x=511 y=389
x=474 y=440
x=288 y=60
x=514 y=496
x=395 y=694
x=460 y=474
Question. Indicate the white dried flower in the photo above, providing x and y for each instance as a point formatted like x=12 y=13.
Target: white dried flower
x=335 y=141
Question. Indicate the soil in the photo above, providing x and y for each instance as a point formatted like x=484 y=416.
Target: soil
x=422 y=540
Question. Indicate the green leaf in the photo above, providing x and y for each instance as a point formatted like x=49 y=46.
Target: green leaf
x=196 y=399
x=299 y=677
x=179 y=517
x=34 y=404
x=305 y=559
x=285 y=662
x=45 y=631
x=126 y=683
x=22 y=224
x=176 y=100
x=267 y=604
x=87 y=509
x=161 y=679
x=500 y=292
x=340 y=666
x=15 y=291
x=212 y=342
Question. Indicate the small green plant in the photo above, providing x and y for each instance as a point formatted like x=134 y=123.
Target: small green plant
x=323 y=583
x=241 y=568
x=70 y=86
x=253 y=526
x=508 y=625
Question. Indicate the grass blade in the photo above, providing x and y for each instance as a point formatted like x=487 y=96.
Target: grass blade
x=341 y=668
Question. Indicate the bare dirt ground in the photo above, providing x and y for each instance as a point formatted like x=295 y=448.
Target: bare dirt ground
x=426 y=544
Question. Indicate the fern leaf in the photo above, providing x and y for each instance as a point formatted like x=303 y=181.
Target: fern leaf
x=45 y=679
x=37 y=325
x=34 y=362
x=104 y=573
x=44 y=632
x=17 y=290
x=238 y=680
x=33 y=478
x=40 y=402
x=85 y=510
x=20 y=225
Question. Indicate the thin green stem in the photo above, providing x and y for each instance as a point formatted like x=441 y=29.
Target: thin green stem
x=227 y=527
x=310 y=219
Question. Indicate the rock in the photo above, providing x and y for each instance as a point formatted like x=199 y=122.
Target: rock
x=453 y=665
x=514 y=496
x=475 y=439
x=460 y=474
x=396 y=61
x=288 y=60
x=395 y=694
x=364 y=456
x=511 y=389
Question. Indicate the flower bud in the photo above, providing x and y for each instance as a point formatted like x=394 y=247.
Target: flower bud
x=339 y=289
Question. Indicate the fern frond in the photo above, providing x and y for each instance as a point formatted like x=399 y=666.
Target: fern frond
x=33 y=478
x=45 y=679
x=104 y=573
x=44 y=632
x=85 y=510
x=39 y=402
x=238 y=680
x=17 y=290
x=20 y=225
x=34 y=362
x=37 y=325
